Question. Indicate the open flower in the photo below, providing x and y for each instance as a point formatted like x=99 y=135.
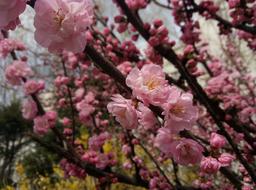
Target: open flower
x=62 y=25
x=149 y=84
x=124 y=111
x=18 y=70
x=9 y=13
x=29 y=109
x=179 y=111
x=187 y=151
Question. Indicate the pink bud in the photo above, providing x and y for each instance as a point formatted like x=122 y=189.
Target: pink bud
x=225 y=159
x=210 y=165
x=217 y=141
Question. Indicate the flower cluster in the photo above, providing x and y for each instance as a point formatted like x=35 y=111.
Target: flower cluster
x=150 y=87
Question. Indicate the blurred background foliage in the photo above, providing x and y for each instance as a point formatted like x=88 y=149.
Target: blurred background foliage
x=25 y=165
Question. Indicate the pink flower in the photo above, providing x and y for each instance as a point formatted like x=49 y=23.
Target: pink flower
x=226 y=159
x=217 y=141
x=61 y=80
x=146 y=117
x=186 y=151
x=233 y=3
x=29 y=109
x=9 y=13
x=124 y=111
x=210 y=165
x=52 y=117
x=85 y=107
x=136 y=4
x=66 y=121
x=18 y=70
x=126 y=149
x=125 y=67
x=41 y=125
x=179 y=111
x=8 y=45
x=97 y=141
x=62 y=25
x=32 y=87
x=149 y=84
x=79 y=94
x=164 y=141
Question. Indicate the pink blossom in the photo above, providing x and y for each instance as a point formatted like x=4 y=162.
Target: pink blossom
x=85 y=108
x=226 y=159
x=210 y=165
x=217 y=141
x=233 y=3
x=149 y=84
x=100 y=160
x=146 y=117
x=32 y=87
x=61 y=80
x=79 y=93
x=9 y=45
x=136 y=4
x=18 y=70
x=97 y=141
x=67 y=131
x=29 y=109
x=62 y=25
x=41 y=125
x=84 y=114
x=179 y=111
x=66 y=121
x=124 y=111
x=90 y=97
x=125 y=67
x=127 y=165
x=9 y=13
x=52 y=117
x=164 y=141
x=186 y=151
x=126 y=149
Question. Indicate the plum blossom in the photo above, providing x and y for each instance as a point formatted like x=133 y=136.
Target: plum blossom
x=9 y=45
x=164 y=140
x=183 y=151
x=17 y=71
x=136 y=4
x=186 y=151
x=124 y=111
x=149 y=84
x=217 y=141
x=97 y=141
x=146 y=117
x=9 y=13
x=179 y=111
x=210 y=165
x=86 y=107
x=29 y=109
x=32 y=87
x=41 y=125
x=62 y=25
x=226 y=159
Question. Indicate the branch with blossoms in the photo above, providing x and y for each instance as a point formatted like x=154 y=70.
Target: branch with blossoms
x=180 y=120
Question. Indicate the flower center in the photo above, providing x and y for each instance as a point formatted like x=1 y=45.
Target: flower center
x=59 y=17
x=177 y=110
x=152 y=84
x=184 y=151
